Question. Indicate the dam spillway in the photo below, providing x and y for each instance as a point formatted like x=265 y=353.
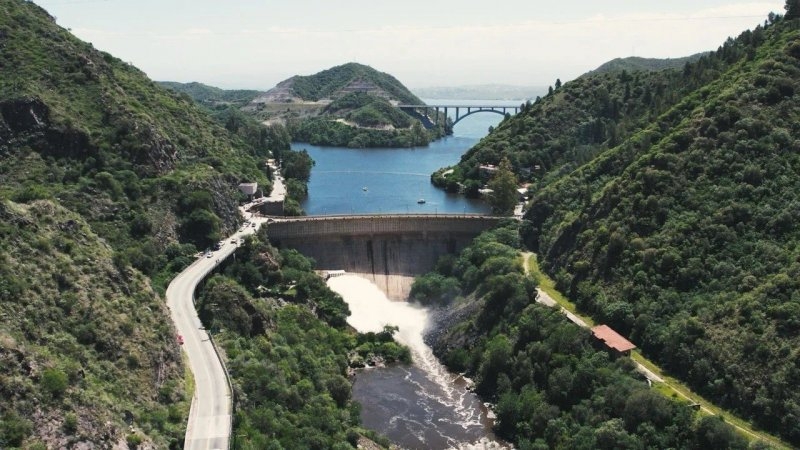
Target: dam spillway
x=389 y=250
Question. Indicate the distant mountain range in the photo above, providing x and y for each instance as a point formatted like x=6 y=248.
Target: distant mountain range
x=482 y=92
x=210 y=95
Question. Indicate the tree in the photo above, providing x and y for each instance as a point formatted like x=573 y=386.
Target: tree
x=504 y=189
x=792 y=8
x=558 y=83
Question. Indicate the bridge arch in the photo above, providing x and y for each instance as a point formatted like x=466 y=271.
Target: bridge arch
x=430 y=115
x=469 y=113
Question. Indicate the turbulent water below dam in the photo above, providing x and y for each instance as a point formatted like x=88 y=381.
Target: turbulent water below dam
x=421 y=406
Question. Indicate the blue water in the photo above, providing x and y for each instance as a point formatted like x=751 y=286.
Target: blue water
x=393 y=180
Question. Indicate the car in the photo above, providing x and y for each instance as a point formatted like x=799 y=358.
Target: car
x=209 y=254
x=180 y=339
x=233 y=241
x=253 y=225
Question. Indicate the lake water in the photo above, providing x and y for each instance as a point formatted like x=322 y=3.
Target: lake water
x=392 y=180
x=422 y=406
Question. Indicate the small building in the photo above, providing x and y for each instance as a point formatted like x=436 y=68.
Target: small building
x=613 y=340
x=487 y=170
x=248 y=189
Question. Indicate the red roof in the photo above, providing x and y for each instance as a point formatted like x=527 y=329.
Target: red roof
x=612 y=338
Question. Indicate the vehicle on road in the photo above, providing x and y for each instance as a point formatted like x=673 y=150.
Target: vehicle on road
x=179 y=339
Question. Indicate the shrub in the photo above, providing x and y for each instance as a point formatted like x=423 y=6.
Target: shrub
x=54 y=382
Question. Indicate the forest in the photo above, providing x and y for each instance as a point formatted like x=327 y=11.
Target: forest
x=665 y=203
x=551 y=385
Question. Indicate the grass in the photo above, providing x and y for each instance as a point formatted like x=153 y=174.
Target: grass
x=547 y=284
x=671 y=387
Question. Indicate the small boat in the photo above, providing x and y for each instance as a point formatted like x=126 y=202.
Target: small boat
x=421 y=201
x=364 y=189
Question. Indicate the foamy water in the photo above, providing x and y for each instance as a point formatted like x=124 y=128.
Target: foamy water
x=423 y=406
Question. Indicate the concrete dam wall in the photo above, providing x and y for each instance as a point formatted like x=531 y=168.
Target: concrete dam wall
x=390 y=250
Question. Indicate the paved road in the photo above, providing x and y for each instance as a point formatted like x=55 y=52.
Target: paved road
x=209 y=425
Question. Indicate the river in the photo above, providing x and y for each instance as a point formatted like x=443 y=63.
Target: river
x=422 y=406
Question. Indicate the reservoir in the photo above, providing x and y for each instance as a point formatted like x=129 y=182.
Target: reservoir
x=421 y=406
x=393 y=180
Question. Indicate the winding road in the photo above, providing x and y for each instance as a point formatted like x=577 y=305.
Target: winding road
x=210 y=417
x=209 y=425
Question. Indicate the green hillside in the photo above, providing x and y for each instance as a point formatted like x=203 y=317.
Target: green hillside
x=638 y=64
x=84 y=344
x=577 y=121
x=102 y=174
x=550 y=385
x=332 y=82
x=210 y=95
x=351 y=105
x=673 y=219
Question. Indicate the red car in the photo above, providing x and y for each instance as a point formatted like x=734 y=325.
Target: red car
x=180 y=339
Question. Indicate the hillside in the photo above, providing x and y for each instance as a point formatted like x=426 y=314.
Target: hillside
x=638 y=64
x=678 y=229
x=102 y=174
x=351 y=105
x=337 y=82
x=550 y=385
x=212 y=96
x=581 y=119
x=88 y=345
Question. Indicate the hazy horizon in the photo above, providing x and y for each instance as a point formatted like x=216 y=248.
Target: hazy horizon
x=254 y=45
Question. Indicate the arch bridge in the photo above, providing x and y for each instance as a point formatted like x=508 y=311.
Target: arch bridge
x=424 y=112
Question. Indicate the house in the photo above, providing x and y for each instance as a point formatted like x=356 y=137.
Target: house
x=613 y=340
x=248 y=189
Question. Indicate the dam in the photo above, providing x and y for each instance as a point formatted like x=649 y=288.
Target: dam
x=389 y=250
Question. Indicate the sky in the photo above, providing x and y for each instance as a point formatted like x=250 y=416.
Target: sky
x=255 y=44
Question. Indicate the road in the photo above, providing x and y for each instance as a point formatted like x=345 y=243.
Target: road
x=209 y=425
x=543 y=298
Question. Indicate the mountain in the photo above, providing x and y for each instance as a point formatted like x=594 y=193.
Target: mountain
x=665 y=204
x=212 y=96
x=635 y=63
x=109 y=184
x=351 y=105
x=337 y=82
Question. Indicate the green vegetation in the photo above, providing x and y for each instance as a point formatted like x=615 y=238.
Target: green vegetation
x=107 y=179
x=550 y=386
x=288 y=350
x=360 y=113
x=324 y=131
x=504 y=190
x=578 y=121
x=331 y=83
x=210 y=96
x=663 y=205
x=637 y=64
x=83 y=342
